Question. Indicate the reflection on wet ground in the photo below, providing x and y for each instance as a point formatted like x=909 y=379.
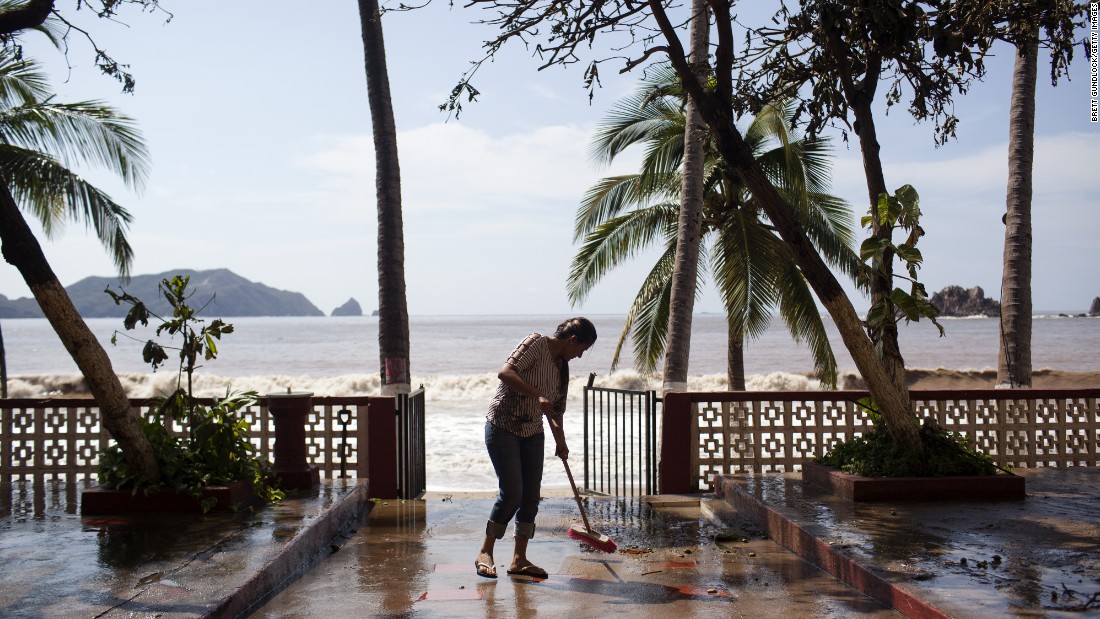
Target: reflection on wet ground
x=56 y=563
x=415 y=559
x=1039 y=557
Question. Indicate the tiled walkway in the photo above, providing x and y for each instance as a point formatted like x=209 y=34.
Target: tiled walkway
x=415 y=559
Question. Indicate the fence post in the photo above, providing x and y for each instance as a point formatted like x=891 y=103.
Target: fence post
x=674 y=467
x=289 y=411
x=382 y=447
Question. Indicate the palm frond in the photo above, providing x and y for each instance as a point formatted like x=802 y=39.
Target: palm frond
x=745 y=258
x=613 y=195
x=605 y=200
x=21 y=82
x=798 y=308
x=657 y=284
x=650 y=331
x=79 y=133
x=615 y=241
x=751 y=266
x=52 y=192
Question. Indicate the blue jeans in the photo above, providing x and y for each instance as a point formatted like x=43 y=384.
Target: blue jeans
x=518 y=464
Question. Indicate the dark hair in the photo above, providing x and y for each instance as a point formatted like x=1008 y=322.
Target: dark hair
x=580 y=327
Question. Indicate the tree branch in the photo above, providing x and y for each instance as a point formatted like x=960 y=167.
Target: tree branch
x=29 y=15
x=630 y=64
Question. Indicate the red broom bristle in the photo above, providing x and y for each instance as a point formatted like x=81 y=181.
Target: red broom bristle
x=595 y=540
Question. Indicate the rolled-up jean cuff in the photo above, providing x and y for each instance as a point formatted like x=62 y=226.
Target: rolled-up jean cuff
x=525 y=529
x=495 y=529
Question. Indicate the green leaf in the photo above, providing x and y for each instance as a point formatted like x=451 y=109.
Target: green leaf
x=877 y=314
x=153 y=354
x=905 y=302
x=871 y=248
x=909 y=254
x=138 y=313
x=211 y=348
x=907 y=198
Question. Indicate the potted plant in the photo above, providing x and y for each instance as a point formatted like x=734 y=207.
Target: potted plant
x=875 y=466
x=216 y=453
x=872 y=468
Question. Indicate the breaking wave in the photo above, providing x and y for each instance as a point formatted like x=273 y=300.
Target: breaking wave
x=468 y=388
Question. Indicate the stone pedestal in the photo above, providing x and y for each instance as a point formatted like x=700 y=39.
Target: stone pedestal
x=290 y=411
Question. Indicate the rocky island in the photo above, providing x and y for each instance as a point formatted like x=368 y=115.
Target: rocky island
x=351 y=308
x=230 y=295
x=956 y=301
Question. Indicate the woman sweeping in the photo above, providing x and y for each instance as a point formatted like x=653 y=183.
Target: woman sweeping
x=534 y=382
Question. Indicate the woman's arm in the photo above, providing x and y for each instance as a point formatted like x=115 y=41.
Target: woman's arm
x=509 y=376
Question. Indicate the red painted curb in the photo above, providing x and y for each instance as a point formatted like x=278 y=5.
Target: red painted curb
x=820 y=553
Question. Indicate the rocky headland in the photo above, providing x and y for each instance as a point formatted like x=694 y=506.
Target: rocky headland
x=228 y=295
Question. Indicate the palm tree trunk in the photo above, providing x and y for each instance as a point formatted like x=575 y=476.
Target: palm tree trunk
x=685 y=271
x=3 y=367
x=393 y=313
x=735 y=358
x=1014 y=357
x=21 y=250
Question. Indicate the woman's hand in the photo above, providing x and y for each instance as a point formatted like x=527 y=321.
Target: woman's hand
x=545 y=405
x=562 y=450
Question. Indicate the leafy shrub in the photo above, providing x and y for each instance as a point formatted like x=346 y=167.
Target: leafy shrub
x=217 y=450
x=875 y=455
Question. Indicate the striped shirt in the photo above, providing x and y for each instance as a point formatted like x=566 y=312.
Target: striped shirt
x=520 y=414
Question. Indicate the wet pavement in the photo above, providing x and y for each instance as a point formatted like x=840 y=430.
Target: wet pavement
x=1037 y=557
x=333 y=552
x=416 y=559
x=56 y=563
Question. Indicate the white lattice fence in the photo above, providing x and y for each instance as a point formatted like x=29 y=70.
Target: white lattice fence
x=62 y=438
x=1024 y=432
x=778 y=431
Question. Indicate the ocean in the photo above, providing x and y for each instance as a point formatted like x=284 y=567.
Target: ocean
x=456 y=359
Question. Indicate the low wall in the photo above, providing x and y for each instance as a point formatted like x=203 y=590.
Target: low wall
x=704 y=434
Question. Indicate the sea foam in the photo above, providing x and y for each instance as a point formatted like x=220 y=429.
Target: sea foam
x=468 y=388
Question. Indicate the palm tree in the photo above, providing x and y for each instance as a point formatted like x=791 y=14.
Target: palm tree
x=393 y=312
x=622 y=215
x=1014 y=352
x=689 y=230
x=39 y=140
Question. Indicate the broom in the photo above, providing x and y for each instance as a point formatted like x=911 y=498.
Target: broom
x=586 y=534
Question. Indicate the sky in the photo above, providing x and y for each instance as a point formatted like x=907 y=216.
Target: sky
x=256 y=117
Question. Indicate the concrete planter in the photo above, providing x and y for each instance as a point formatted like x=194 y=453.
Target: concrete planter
x=99 y=500
x=869 y=489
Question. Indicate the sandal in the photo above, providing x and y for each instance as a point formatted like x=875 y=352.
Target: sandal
x=531 y=571
x=485 y=570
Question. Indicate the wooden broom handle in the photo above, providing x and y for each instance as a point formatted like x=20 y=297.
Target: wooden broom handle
x=572 y=484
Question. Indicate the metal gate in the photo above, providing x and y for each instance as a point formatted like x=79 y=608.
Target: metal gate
x=620 y=441
x=411 y=476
